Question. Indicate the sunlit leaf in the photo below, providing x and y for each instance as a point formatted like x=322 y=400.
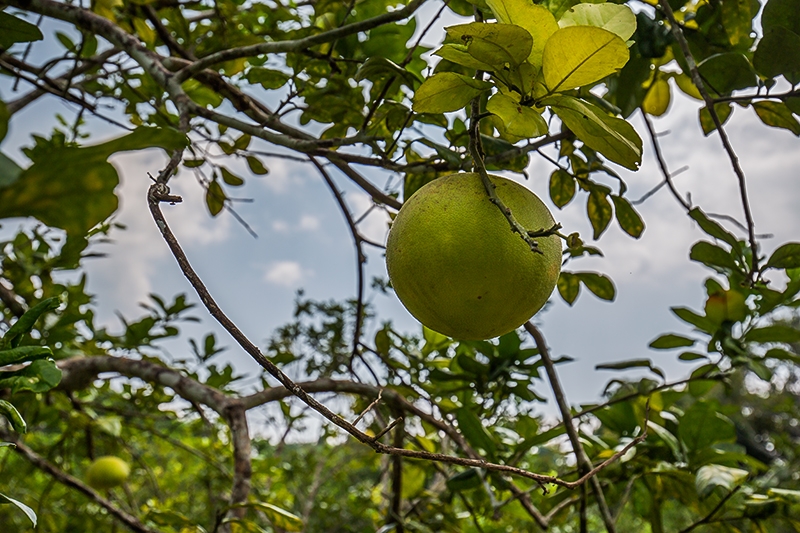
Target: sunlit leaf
x=617 y=19
x=519 y=120
x=447 y=91
x=580 y=55
x=656 y=100
x=537 y=20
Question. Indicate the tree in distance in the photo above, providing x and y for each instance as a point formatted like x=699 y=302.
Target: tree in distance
x=107 y=472
x=459 y=269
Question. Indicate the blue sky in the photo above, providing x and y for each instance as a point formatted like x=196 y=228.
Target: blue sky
x=304 y=242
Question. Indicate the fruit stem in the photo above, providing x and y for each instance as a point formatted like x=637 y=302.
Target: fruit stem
x=476 y=151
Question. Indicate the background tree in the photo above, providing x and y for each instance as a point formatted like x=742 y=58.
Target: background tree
x=344 y=86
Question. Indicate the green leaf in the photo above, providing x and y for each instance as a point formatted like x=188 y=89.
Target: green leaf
x=713 y=228
x=725 y=73
x=256 y=166
x=4 y=118
x=702 y=425
x=777 y=115
x=599 y=210
x=581 y=55
x=700 y=322
x=633 y=363
x=472 y=429
x=613 y=137
x=778 y=51
x=712 y=256
x=519 y=120
x=617 y=19
x=193 y=163
x=12 y=415
x=710 y=477
x=787 y=495
x=73 y=188
x=447 y=91
x=25 y=323
x=40 y=376
x=457 y=53
x=569 y=286
x=669 y=439
x=629 y=220
x=215 y=198
x=230 y=178
x=786 y=256
x=9 y=171
x=562 y=187
x=15 y=30
x=21 y=506
x=466 y=480
x=656 y=101
x=22 y=354
x=377 y=67
x=267 y=78
x=537 y=20
x=737 y=18
x=600 y=285
x=774 y=333
x=670 y=341
x=723 y=113
x=280 y=518
x=499 y=45
x=691 y=356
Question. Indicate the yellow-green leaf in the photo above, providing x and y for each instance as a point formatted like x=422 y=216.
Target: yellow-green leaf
x=498 y=45
x=618 y=19
x=562 y=187
x=656 y=101
x=723 y=113
x=256 y=166
x=777 y=115
x=458 y=54
x=519 y=120
x=215 y=198
x=599 y=210
x=580 y=55
x=629 y=220
x=539 y=22
x=737 y=19
x=447 y=91
x=613 y=137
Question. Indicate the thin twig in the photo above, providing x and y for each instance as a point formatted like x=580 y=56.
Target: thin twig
x=706 y=519
x=663 y=166
x=698 y=81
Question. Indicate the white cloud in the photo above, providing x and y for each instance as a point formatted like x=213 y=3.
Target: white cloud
x=280 y=226
x=309 y=223
x=287 y=273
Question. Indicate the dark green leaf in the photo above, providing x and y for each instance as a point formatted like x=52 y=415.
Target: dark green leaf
x=562 y=187
x=242 y=142
x=713 y=256
x=15 y=30
x=633 y=363
x=778 y=53
x=26 y=322
x=466 y=480
x=691 y=356
x=22 y=354
x=267 y=78
x=777 y=115
x=713 y=228
x=671 y=340
x=40 y=376
x=569 y=285
x=256 y=166
x=230 y=178
x=21 y=506
x=599 y=284
x=786 y=256
x=472 y=429
x=215 y=198
x=700 y=322
x=702 y=425
x=629 y=220
x=774 y=333
x=723 y=113
x=600 y=212
x=727 y=72
x=14 y=418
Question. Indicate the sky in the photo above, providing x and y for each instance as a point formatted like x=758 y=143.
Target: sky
x=304 y=242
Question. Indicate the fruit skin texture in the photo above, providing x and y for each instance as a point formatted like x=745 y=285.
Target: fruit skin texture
x=107 y=472
x=459 y=269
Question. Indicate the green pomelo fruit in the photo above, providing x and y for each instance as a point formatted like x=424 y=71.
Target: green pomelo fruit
x=726 y=306
x=457 y=266
x=107 y=472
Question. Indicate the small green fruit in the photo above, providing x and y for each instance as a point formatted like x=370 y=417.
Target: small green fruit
x=107 y=472
x=726 y=306
x=457 y=266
